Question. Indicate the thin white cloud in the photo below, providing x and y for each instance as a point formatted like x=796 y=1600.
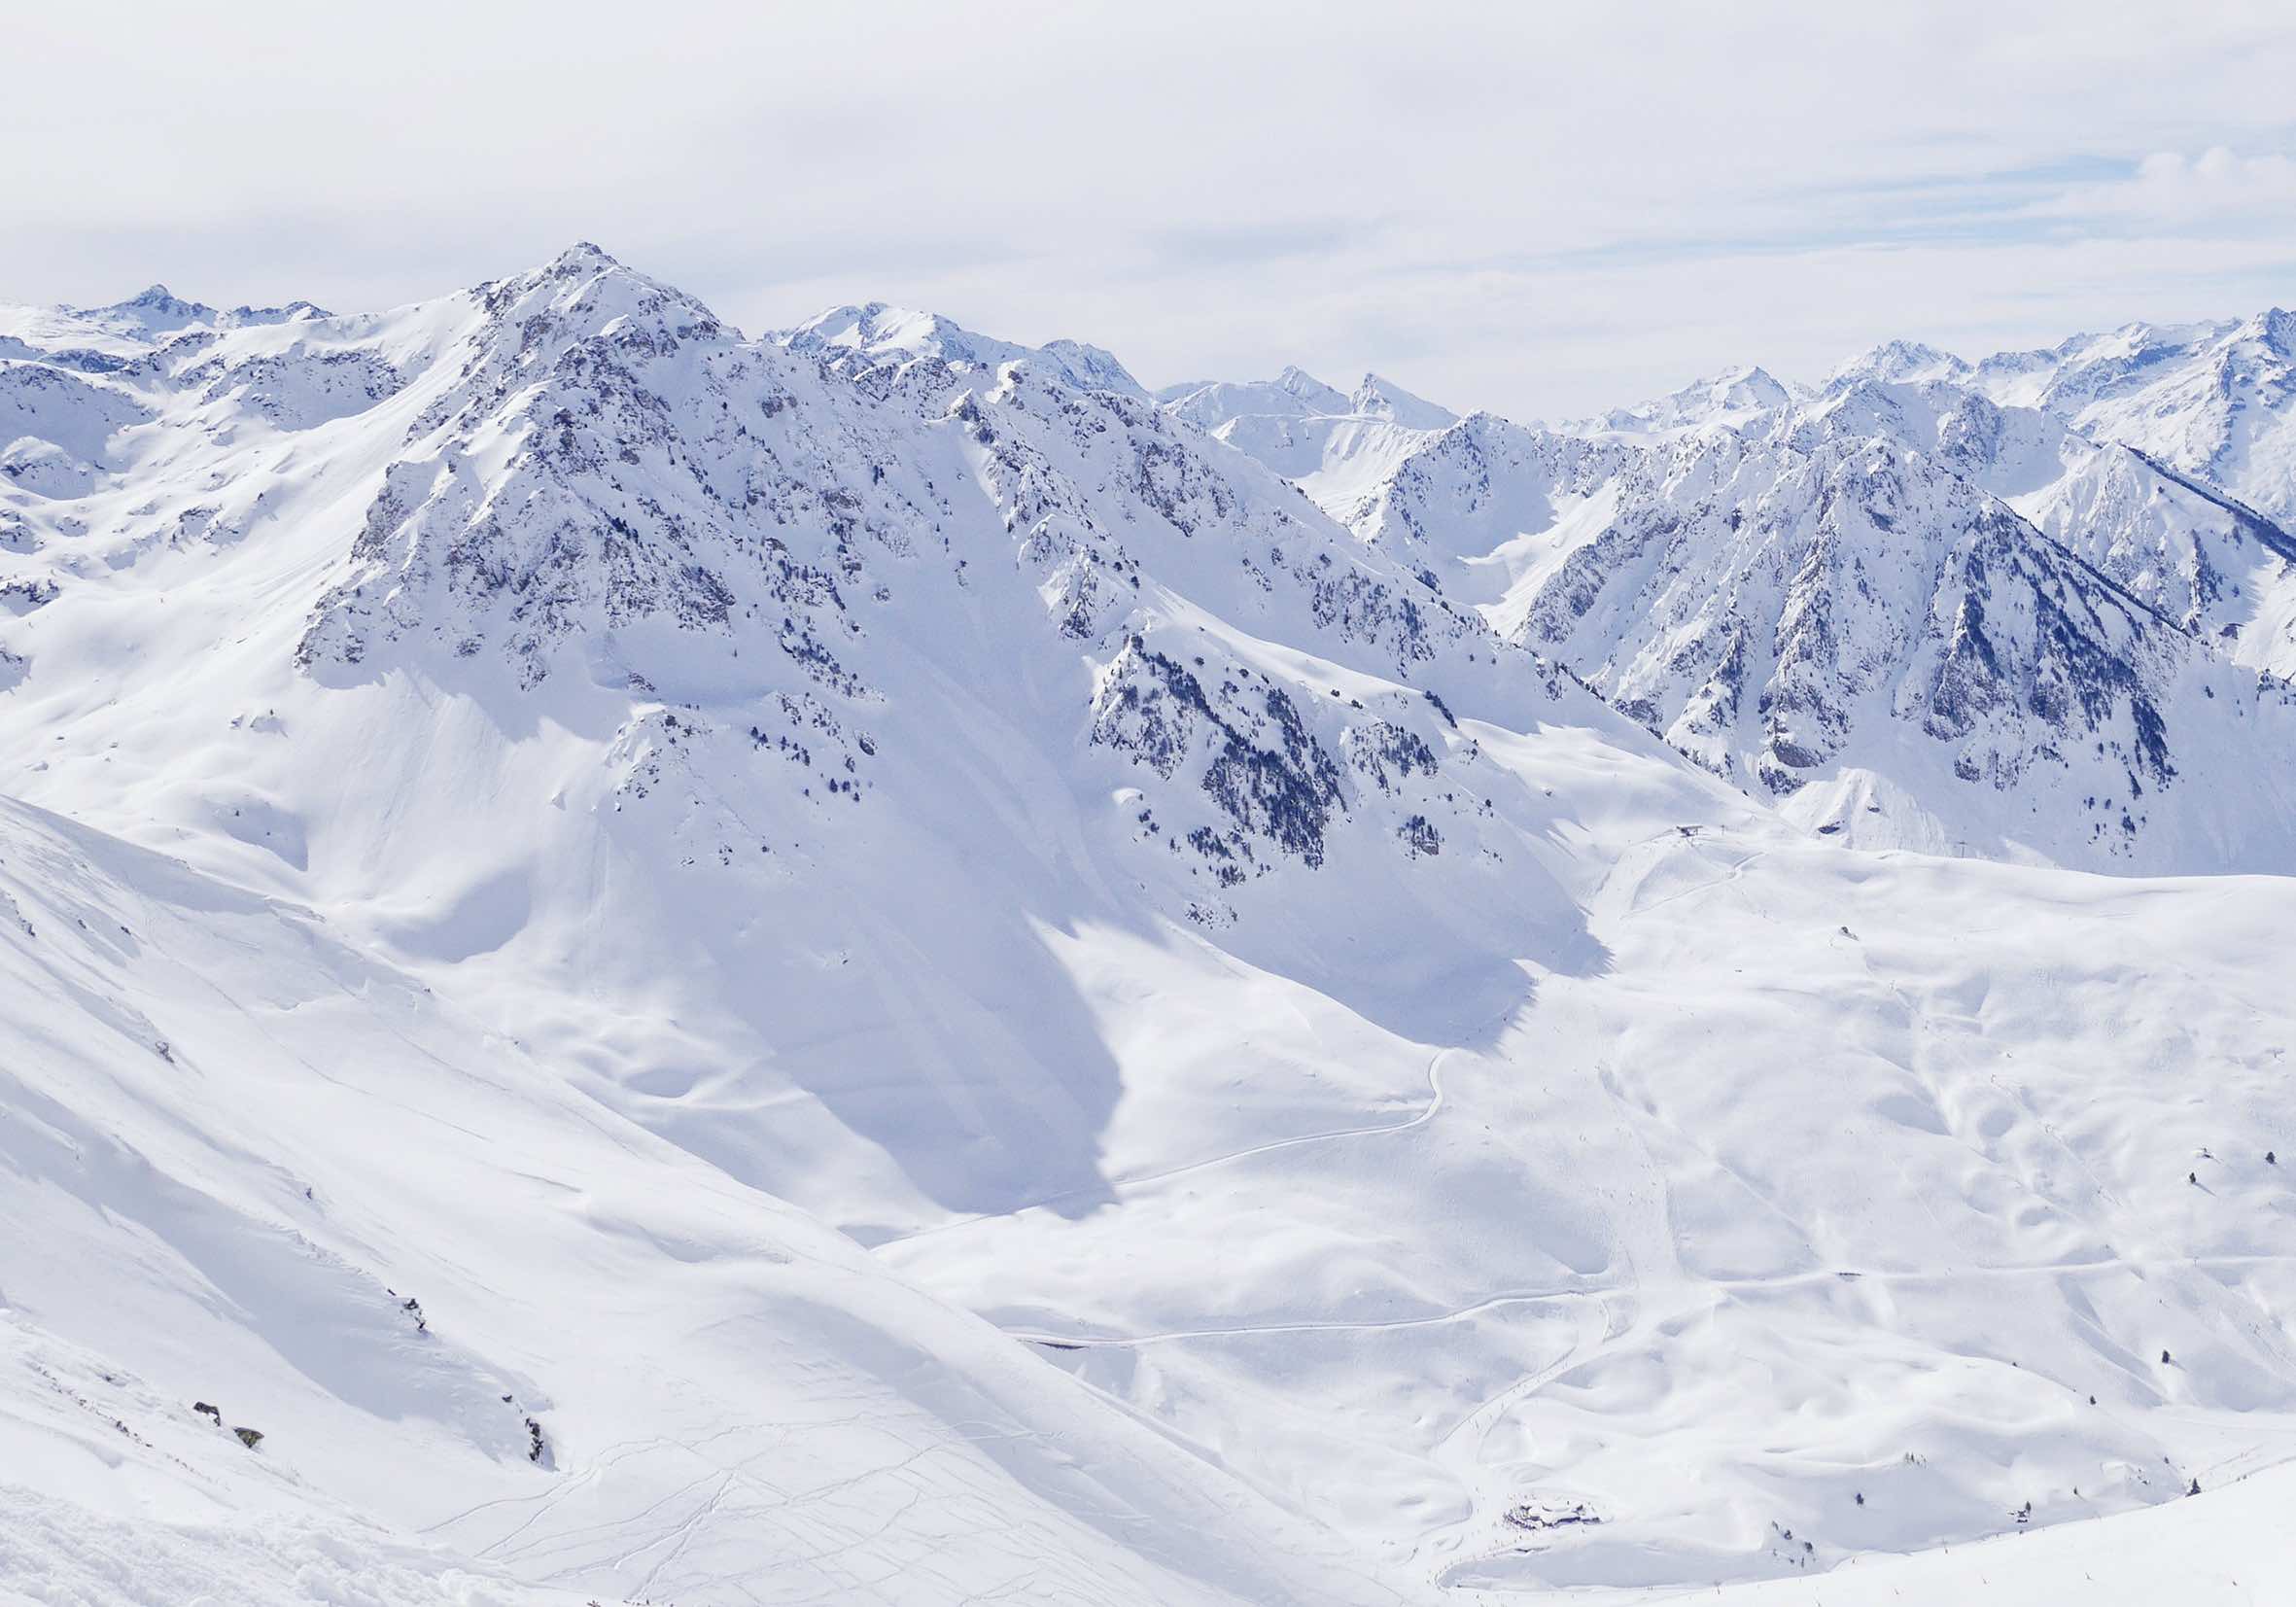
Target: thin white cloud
x=1531 y=208
x=2169 y=188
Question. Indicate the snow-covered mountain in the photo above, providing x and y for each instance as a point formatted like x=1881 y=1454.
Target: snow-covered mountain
x=1850 y=620
x=2213 y=565
x=2214 y=400
x=1338 y=449
x=875 y=333
x=870 y=965
x=798 y=617
x=1907 y=611
x=1731 y=400
x=765 y=737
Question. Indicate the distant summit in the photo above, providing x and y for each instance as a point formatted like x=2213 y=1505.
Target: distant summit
x=880 y=331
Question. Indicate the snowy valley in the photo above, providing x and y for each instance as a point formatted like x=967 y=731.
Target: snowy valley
x=879 y=965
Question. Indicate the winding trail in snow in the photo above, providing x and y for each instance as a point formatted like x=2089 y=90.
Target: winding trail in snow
x=1426 y=1114
x=1598 y=1292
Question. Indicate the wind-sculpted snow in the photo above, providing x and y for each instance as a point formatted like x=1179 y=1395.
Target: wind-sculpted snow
x=692 y=870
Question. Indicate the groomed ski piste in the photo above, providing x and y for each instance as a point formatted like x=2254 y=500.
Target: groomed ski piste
x=870 y=965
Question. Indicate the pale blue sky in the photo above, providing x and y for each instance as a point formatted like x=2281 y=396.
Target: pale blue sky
x=1539 y=209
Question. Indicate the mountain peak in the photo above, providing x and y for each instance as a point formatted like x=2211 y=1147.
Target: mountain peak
x=582 y=256
x=863 y=327
x=880 y=331
x=2275 y=327
x=1380 y=398
x=1752 y=380
x=153 y=310
x=1898 y=362
x=1732 y=397
x=1093 y=367
x=293 y=312
x=1310 y=392
x=589 y=290
x=888 y=332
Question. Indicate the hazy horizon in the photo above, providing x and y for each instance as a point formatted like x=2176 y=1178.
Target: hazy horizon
x=1538 y=214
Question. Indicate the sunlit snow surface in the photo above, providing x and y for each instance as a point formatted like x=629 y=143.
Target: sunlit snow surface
x=939 y=990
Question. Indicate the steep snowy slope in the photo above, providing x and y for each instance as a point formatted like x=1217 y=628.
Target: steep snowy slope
x=1832 y=618
x=1900 y=363
x=1735 y=567
x=1728 y=401
x=920 y=778
x=2216 y=567
x=270 y=1144
x=1293 y=394
x=1339 y=449
x=2214 y=400
x=1484 y=505
x=480 y=1326
x=689 y=631
x=875 y=332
